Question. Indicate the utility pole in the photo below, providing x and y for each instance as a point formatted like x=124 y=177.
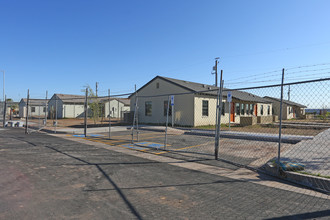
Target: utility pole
x=96 y=85
x=215 y=69
x=289 y=93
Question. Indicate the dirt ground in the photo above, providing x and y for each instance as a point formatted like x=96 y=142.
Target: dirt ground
x=79 y=123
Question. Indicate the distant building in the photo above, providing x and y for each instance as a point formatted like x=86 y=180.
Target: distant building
x=290 y=109
x=37 y=107
x=68 y=106
x=118 y=106
x=72 y=106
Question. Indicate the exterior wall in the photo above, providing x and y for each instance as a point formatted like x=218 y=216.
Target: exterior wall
x=51 y=108
x=116 y=109
x=199 y=119
x=297 y=112
x=73 y=110
x=246 y=109
x=265 y=109
x=289 y=112
x=22 y=109
x=39 y=110
x=183 y=104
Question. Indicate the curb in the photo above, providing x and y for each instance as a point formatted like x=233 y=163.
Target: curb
x=317 y=183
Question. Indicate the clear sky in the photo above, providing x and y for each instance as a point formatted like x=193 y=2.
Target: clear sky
x=62 y=45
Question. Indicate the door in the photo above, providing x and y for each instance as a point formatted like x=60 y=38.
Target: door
x=232 y=112
x=256 y=110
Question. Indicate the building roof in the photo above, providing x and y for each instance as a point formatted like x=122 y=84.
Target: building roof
x=272 y=99
x=35 y=101
x=125 y=101
x=66 y=98
x=209 y=90
x=78 y=99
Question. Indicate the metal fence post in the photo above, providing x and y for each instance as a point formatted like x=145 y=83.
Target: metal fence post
x=39 y=126
x=167 y=110
x=4 y=111
x=55 y=113
x=135 y=121
x=280 y=127
x=218 y=124
x=27 y=112
x=46 y=109
x=85 y=118
x=109 y=115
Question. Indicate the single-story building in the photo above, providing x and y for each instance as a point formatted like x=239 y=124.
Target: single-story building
x=118 y=106
x=290 y=109
x=68 y=106
x=195 y=104
x=37 y=107
x=72 y=106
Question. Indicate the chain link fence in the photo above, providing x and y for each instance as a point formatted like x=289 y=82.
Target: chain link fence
x=282 y=130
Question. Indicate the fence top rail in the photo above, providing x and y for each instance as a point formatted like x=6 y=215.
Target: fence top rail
x=214 y=91
x=206 y=92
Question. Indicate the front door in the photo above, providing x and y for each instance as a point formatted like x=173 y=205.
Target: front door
x=232 y=112
x=256 y=110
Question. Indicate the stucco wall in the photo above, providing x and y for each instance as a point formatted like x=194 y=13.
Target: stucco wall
x=116 y=109
x=183 y=104
x=39 y=110
x=73 y=110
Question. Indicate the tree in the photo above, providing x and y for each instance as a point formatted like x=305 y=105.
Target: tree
x=93 y=103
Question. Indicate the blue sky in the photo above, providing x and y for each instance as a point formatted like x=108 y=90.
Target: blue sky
x=62 y=45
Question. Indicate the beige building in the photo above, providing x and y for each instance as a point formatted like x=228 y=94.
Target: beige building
x=68 y=106
x=37 y=107
x=290 y=109
x=194 y=103
x=118 y=106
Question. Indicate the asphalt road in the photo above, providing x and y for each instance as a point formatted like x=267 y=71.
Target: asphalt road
x=47 y=177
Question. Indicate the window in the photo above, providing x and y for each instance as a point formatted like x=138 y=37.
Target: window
x=237 y=109
x=205 y=108
x=247 y=109
x=223 y=108
x=261 y=109
x=165 y=109
x=44 y=109
x=251 y=109
x=157 y=85
x=268 y=110
x=242 y=109
x=33 y=109
x=148 y=108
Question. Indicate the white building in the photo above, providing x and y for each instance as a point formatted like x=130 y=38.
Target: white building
x=118 y=106
x=37 y=107
x=68 y=106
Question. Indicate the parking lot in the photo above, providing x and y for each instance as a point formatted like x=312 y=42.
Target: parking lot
x=47 y=177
